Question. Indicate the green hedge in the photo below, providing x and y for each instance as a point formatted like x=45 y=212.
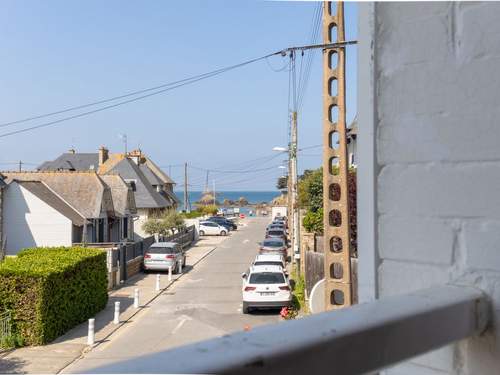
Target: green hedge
x=51 y=290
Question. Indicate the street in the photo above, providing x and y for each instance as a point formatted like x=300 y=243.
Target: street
x=204 y=303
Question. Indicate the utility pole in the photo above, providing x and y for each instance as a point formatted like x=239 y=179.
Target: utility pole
x=293 y=174
x=20 y=165
x=186 y=199
x=213 y=182
x=337 y=246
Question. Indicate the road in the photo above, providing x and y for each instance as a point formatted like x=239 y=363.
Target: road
x=204 y=303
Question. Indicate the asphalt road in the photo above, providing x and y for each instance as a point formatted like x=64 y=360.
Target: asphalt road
x=205 y=303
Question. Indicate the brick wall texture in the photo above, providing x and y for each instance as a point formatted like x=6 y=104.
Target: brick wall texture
x=437 y=81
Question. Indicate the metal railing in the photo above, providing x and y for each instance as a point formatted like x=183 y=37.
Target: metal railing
x=5 y=325
x=184 y=237
x=356 y=340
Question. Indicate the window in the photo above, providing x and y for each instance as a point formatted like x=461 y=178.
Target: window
x=125 y=227
x=132 y=184
x=267 y=278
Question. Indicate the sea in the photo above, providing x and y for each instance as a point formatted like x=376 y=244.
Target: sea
x=253 y=197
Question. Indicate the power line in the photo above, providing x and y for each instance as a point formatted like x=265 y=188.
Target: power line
x=170 y=86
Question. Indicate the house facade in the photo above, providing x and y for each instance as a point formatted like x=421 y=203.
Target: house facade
x=153 y=190
x=64 y=208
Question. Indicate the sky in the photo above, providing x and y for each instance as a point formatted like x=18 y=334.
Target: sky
x=58 y=54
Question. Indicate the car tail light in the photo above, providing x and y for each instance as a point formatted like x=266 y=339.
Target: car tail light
x=170 y=256
x=285 y=287
x=249 y=288
x=147 y=256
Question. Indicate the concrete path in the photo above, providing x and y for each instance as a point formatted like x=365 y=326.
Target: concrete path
x=204 y=304
x=56 y=356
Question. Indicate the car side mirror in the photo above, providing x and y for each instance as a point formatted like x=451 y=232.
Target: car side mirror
x=243 y=275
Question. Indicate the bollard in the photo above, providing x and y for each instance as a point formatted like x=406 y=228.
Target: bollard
x=157 y=283
x=170 y=273
x=91 y=334
x=180 y=267
x=116 y=320
x=136 y=298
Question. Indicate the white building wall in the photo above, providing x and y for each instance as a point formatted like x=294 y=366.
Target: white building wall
x=30 y=222
x=432 y=77
x=143 y=215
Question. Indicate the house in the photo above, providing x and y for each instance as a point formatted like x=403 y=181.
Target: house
x=153 y=189
x=62 y=208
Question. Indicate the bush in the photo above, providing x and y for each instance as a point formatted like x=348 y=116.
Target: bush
x=313 y=221
x=50 y=290
x=192 y=214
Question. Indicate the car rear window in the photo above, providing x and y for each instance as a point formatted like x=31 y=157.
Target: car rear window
x=268 y=263
x=267 y=278
x=161 y=250
x=275 y=232
x=273 y=243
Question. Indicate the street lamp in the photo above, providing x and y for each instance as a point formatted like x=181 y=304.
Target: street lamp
x=280 y=149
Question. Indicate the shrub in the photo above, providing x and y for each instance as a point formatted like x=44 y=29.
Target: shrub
x=50 y=290
x=313 y=221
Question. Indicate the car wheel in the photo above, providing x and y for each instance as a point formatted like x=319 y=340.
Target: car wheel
x=245 y=309
x=223 y=233
x=201 y=233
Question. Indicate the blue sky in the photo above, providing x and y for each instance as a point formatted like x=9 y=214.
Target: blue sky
x=57 y=54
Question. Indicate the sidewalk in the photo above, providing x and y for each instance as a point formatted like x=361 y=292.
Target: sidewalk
x=54 y=357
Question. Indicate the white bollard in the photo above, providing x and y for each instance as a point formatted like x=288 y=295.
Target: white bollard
x=180 y=267
x=157 y=283
x=170 y=273
x=116 y=319
x=136 y=298
x=91 y=334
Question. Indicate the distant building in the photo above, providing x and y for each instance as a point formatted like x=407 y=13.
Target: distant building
x=153 y=189
x=63 y=208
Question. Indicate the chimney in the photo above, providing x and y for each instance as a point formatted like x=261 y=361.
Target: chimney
x=71 y=151
x=103 y=155
x=136 y=156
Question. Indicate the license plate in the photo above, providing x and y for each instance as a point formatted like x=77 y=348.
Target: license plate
x=266 y=293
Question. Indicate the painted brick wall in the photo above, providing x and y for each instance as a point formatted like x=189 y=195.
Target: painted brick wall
x=437 y=103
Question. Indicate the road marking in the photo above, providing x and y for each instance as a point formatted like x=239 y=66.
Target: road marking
x=184 y=319
x=246 y=241
x=194 y=280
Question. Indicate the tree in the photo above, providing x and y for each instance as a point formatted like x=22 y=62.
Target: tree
x=170 y=222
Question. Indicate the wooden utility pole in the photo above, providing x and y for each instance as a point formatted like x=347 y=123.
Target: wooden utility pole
x=186 y=198
x=20 y=165
x=338 y=287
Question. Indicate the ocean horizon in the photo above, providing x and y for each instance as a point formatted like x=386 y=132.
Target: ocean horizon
x=252 y=196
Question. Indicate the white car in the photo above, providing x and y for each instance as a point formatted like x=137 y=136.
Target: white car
x=211 y=228
x=269 y=260
x=265 y=287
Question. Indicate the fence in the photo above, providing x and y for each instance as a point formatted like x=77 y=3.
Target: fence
x=184 y=237
x=5 y=325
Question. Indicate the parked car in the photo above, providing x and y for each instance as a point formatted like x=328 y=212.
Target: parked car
x=265 y=287
x=270 y=260
x=224 y=222
x=162 y=255
x=276 y=226
x=211 y=228
x=274 y=246
x=281 y=221
x=277 y=233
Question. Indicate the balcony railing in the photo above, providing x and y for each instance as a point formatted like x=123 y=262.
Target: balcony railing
x=356 y=340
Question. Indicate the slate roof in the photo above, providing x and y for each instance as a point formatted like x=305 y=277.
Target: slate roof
x=158 y=172
x=145 y=195
x=70 y=161
x=123 y=197
x=43 y=192
x=84 y=191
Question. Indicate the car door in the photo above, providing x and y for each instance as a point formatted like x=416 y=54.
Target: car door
x=213 y=228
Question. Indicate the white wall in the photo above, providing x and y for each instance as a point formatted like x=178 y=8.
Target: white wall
x=435 y=71
x=275 y=210
x=30 y=222
x=142 y=218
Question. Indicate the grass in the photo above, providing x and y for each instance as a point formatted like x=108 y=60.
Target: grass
x=11 y=341
x=298 y=293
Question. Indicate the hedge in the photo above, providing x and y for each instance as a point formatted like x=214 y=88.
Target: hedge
x=50 y=290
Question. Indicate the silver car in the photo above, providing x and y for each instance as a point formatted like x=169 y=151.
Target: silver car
x=162 y=255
